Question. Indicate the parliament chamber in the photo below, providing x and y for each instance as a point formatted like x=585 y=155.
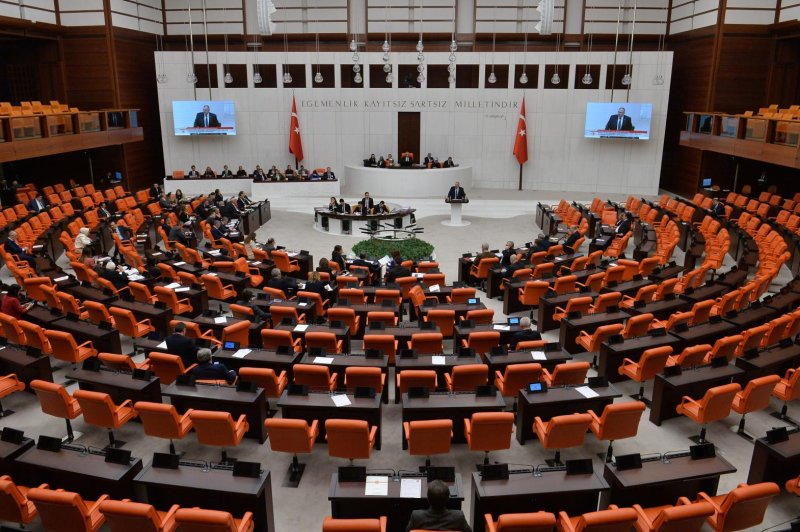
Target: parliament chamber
x=226 y=305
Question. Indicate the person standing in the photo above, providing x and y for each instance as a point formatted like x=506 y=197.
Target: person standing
x=456 y=192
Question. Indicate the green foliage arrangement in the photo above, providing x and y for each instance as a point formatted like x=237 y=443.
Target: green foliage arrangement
x=413 y=248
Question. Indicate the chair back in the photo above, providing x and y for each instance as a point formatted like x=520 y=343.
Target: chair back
x=637 y=325
x=566 y=431
x=756 y=394
x=491 y=431
x=416 y=378
x=389 y=319
x=483 y=341
x=653 y=361
x=620 y=420
x=161 y=420
x=325 y=340
x=569 y=373
x=354 y=295
x=125 y=321
x=469 y=376
x=200 y=520
x=604 y=301
x=444 y=320
x=98 y=312
x=518 y=376
x=55 y=400
x=354 y=525
x=683 y=518
x=215 y=428
x=345 y=315
x=427 y=437
x=460 y=295
x=313 y=376
x=717 y=401
x=117 y=362
x=355 y=376
x=265 y=378
x=35 y=337
x=61 y=510
x=237 y=332
x=98 y=408
x=615 y=520
x=725 y=347
x=745 y=506
x=481 y=316
x=348 y=438
x=751 y=339
x=427 y=343
x=291 y=435
x=167 y=367
x=33 y=287
x=565 y=284
x=526 y=522
x=14 y=506
x=532 y=292
x=127 y=516
x=140 y=292
x=12 y=330
x=273 y=338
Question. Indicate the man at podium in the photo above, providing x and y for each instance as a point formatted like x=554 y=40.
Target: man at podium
x=456 y=193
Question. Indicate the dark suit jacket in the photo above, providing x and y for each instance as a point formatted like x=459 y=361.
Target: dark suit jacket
x=33 y=207
x=339 y=259
x=226 y=173
x=366 y=203
x=184 y=347
x=119 y=280
x=282 y=284
x=456 y=193
x=506 y=259
x=343 y=208
x=525 y=336
x=229 y=211
x=623 y=227
x=718 y=209
x=199 y=121
x=13 y=248
x=397 y=272
x=216 y=233
x=241 y=173
x=430 y=519
x=627 y=125
x=213 y=370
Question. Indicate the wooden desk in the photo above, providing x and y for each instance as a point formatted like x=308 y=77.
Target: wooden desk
x=120 y=386
x=460 y=309
x=710 y=290
x=612 y=355
x=571 y=328
x=500 y=362
x=547 y=306
x=662 y=309
x=557 y=402
x=668 y=391
x=752 y=317
x=213 y=489
x=402 y=333
x=340 y=364
x=104 y=340
x=88 y=474
x=260 y=358
x=775 y=462
x=667 y=272
x=425 y=362
x=91 y=293
x=198 y=298
x=27 y=368
x=9 y=453
x=349 y=502
x=251 y=221
x=553 y=492
x=786 y=301
x=660 y=483
x=42 y=316
x=319 y=405
x=226 y=399
x=627 y=288
x=464 y=265
x=443 y=405
x=362 y=310
x=775 y=360
x=704 y=333
x=159 y=318
x=342 y=333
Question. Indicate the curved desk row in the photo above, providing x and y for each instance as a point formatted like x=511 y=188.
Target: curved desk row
x=352 y=224
x=257 y=191
x=404 y=182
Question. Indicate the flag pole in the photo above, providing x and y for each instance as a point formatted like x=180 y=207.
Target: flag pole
x=520 y=178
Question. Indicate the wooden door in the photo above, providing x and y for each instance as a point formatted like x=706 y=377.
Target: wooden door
x=408 y=125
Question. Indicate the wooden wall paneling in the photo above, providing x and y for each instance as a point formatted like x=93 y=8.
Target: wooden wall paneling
x=741 y=80
x=784 y=87
x=89 y=77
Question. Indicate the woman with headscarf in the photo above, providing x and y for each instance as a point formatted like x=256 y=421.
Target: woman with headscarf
x=82 y=240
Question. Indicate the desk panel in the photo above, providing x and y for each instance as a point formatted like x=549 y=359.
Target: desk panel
x=404 y=182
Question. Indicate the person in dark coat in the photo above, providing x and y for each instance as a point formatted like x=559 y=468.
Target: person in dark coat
x=179 y=344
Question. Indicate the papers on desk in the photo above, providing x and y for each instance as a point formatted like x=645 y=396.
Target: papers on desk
x=221 y=319
x=538 y=355
x=341 y=400
x=498 y=255
x=214 y=252
x=377 y=486
x=241 y=353
x=292 y=254
x=586 y=392
x=323 y=360
x=383 y=261
x=302 y=304
x=410 y=488
x=135 y=277
x=215 y=274
x=156 y=254
x=301 y=327
x=434 y=288
x=501 y=327
x=328 y=288
x=301 y=286
x=417 y=275
x=183 y=288
x=173 y=286
x=59 y=279
x=181 y=263
x=438 y=360
x=162 y=345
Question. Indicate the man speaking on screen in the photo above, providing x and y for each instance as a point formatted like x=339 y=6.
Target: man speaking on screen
x=206 y=118
x=619 y=122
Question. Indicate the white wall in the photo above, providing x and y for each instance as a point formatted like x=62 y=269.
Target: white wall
x=476 y=126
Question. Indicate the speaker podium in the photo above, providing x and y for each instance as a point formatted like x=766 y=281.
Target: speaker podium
x=455 y=213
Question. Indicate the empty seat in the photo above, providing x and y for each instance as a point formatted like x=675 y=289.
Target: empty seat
x=522 y=522
x=350 y=438
x=714 y=405
x=163 y=421
x=741 y=508
x=561 y=432
x=294 y=436
x=200 y=520
x=219 y=429
x=65 y=510
x=489 y=431
x=617 y=421
x=428 y=437
x=99 y=410
x=467 y=377
x=128 y=516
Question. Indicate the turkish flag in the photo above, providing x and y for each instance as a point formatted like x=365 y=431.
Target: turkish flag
x=521 y=140
x=295 y=144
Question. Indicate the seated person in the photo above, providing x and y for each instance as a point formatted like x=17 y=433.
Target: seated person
x=258 y=174
x=193 y=172
x=113 y=273
x=329 y=175
x=513 y=265
x=252 y=302
x=438 y=516
x=287 y=284
x=449 y=163
x=102 y=210
x=12 y=247
x=242 y=201
x=572 y=236
x=374 y=266
x=209 y=172
x=343 y=208
x=316 y=285
x=332 y=204
x=270 y=246
x=372 y=161
x=216 y=232
x=397 y=270
x=406 y=159
x=206 y=369
x=717 y=208
x=508 y=251
x=241 y=172
x=527 y=333
x=183 y=346
x=178 y=233
x=381 y=162
x=302 y=172
x=337 y=256
x=428 y=160
x=436 y=163
x=289 y=172
x=381 y=208
x=389 y=161
x=11 y=305
x=484 y=254
x=82 y=240
x=37 y=204
x=274 y=174
x=226 y=172
x=324 y=267
x=316 y=175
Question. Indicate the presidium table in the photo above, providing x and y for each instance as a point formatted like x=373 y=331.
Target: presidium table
x=399 y=182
